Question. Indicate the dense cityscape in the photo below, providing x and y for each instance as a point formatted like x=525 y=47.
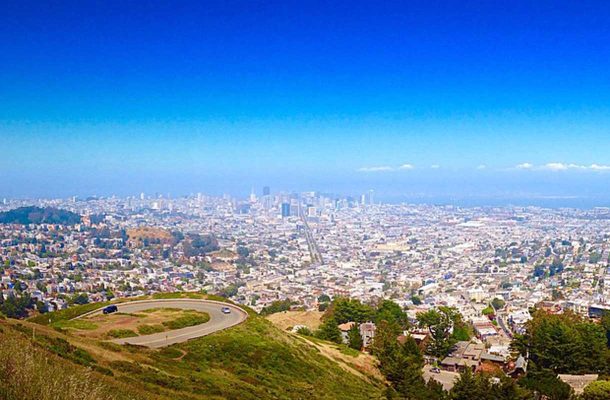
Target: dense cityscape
x=276 y=200
x=299 y=246
x=487 y=269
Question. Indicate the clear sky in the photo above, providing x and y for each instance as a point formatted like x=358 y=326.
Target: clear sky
x=447 y=99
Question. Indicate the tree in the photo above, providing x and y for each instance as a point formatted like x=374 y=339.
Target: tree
x=507 y=389
x=439 y=323
x=486 y=387
x=81 y=298
x=329 y=330
x=466 y=387
x=564 y=343
x=545 y=382
x=393 y=313
x=243 y=252
x=497 y=303
x=42 y=307
x=598 y=390
x=401 y=364
x=277 y=306
x=353 y=337
x=488 y=311
x=384 y=346
x=346 y=310
x=606 y=325
x=305 y=331
x=324 y=298
x=416 y=300
x=16 y=307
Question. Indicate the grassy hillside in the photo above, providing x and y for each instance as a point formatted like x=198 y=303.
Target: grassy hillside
x=254 y=360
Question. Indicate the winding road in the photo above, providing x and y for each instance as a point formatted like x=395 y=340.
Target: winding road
x=218 y=320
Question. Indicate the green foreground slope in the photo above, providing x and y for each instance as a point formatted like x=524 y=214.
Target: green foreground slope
x=254 y=360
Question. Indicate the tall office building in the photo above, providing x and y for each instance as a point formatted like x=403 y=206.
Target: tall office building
x=266 y=191
x=285 y=210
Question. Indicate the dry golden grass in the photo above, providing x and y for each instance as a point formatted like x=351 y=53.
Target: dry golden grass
x=364 y=365
x=27 y=374
x=139 y=234
x=288 y=319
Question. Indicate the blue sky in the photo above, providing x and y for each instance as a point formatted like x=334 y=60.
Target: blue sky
x=472 y=99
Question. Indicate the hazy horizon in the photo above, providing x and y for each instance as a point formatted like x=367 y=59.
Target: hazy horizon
x=490 y=103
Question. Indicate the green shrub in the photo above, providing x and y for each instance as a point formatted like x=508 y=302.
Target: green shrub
x=69 y=313
x=150 y=329
x=111 y=346
x=189 y=318
x=161 y=309
x=74 y=324
x=121 y=333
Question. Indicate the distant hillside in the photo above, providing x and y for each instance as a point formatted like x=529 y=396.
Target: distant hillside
x=254 y=360
x=37 y=215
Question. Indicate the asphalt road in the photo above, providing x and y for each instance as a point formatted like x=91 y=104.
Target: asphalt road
x=445 y=378
x=218 y=320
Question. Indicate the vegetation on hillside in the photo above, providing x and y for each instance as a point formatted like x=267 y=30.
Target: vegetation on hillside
x=188 y=318
x=565 y=343
x=277 y=306
x=48 y=368
x=440 y=323
x=37 y=215
x=342 y=310
x=254 y=360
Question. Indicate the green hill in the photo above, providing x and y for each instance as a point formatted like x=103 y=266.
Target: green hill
x=37 y=215
x=254 y=360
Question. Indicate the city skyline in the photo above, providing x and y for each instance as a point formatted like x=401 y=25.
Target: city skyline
x=412 y=101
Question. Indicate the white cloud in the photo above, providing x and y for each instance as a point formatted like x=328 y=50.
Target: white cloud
x=556 y=166
x=559 y=166
x=407 y=166
x=435 y=166
x=383 y=168
x=525 y=166
x=482 y=167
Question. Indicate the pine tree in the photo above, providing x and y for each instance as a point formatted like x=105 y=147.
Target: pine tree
x=466 y=387
x=354 y=338
x=330 y=331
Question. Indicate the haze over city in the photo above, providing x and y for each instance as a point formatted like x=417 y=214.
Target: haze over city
x=425 y=101
x=263 y=200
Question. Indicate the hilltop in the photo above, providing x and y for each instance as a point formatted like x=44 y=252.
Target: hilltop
x=254 y=360
x=38 y=215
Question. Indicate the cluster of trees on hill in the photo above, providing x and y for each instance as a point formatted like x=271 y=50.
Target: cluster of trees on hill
x=37 y=215
x=445 y=324
x=16 y=306
x=342 y=310
x=446 y=327
x=199 y=245
x=402 y=365
x=277 y=306
x=564 y=343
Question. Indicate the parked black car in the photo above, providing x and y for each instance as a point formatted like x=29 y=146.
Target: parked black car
x=110 y=309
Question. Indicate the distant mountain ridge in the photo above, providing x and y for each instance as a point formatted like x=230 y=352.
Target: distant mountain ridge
x=38 y=215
